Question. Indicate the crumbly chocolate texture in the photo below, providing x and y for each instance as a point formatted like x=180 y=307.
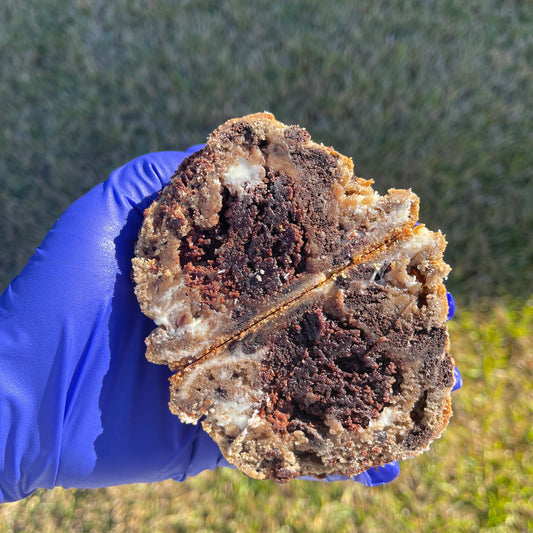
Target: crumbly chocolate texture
x=302 y=312
x=255 y=219
x=354 y=374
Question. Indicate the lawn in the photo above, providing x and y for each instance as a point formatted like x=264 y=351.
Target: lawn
x=477 y=477
x=431 y=95
x=428 y=95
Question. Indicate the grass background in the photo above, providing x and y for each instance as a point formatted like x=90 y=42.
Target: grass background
x=433 y=95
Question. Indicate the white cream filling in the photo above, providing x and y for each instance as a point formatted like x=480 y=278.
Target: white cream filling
x=169 y=304
x=233 y=412
x=242 y=176
x=413 y=246
x=385 y=419
x=237 y=409
x=362 y=204
x=172 y=309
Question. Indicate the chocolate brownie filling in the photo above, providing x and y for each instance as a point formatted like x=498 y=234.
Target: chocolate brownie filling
x=320 y=368
x=259 y=244
x=256 y=247
x=246 y=233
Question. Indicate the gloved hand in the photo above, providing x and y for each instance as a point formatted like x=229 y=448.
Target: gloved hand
x=451 y=312
x=79 y=404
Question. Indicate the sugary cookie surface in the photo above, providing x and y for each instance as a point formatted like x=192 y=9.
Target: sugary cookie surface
x=302 y=312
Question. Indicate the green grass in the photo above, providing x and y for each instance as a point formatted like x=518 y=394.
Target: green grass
x=428 y=95
x=477 y=477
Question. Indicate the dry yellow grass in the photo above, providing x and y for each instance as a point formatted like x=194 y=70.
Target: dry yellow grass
x=477 y=477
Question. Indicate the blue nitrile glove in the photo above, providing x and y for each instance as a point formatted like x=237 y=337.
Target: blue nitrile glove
x=79 y=404
x=451 y=312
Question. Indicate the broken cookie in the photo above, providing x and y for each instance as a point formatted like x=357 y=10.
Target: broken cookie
x=303 y=313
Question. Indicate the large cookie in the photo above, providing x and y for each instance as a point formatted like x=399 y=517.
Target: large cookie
x=303 y=312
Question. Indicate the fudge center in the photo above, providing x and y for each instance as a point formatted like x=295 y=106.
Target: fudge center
x=321 y=369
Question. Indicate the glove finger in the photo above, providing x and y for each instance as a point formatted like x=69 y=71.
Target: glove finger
x=451 y=306
x=380 y=475
x=194 y=148
x=204 y=455
x=370 y=478
x=458 y=379
x=136 y=183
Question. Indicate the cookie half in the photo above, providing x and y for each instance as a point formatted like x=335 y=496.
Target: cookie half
x=255 y=219
x=354 y=374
